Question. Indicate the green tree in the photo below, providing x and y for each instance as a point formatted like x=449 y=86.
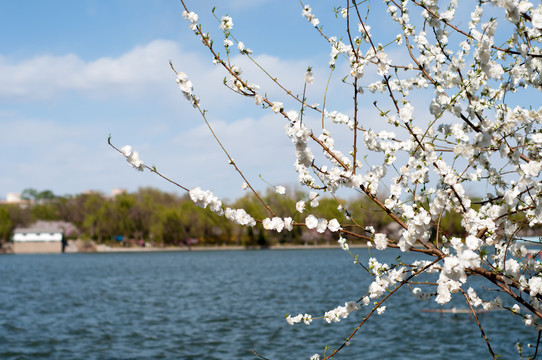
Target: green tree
x=6 y=225
x=93 y=221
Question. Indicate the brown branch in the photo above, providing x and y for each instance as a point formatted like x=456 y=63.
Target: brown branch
x=479 y=325
x=499 y=280
x=537 y=344
x=258 y=355
x=378 y=305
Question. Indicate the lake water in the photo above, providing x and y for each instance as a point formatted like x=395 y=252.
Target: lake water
x=220 y=305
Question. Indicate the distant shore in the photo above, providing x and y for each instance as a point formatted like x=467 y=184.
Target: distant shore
x=86 y=246
x=111 y=249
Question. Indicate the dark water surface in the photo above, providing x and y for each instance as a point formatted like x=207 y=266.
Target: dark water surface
x=219 y=305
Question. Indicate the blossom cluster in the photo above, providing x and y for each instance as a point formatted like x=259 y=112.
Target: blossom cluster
x=385 y=278
x=226 y=23
x=185 y=85
x=299 y=134
x=341 y=312
x=334 y=315
x=307 y=319
x=193 y=18
x=132 y=157
x=278 y=224
x=309 y=76
x=321 y=225
x=344 y=245
x=187 y=88
x=205 y=198
x=307 y=13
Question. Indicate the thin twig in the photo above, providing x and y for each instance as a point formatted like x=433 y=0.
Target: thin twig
x=479 y=325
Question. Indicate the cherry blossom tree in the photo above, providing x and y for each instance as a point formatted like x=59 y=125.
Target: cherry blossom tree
x=455 y=92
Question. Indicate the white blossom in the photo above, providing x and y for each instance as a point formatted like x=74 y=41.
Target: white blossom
x=276 y=223
x=342 y=242
x=307 y=13
x=191 y=16
x=277 y=106
x=228 y=43
x=288 y=223
x=333 y=225
x=126 y=150
x=381 y=241
x=294 y=320
x=406 y=112
x=243 y=49
x=321 y=227
x=132 y=157
x=313 y=198
x=311 y=222
x=309 y=77
x=535 y=285
x=226 y=23
x=185 y=85
x=473 y=297
x=258 y=99
x=341 y=312
x=536 y=17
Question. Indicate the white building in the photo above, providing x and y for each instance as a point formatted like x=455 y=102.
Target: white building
x=36 y=234
x=42 y=237
x=13 y=198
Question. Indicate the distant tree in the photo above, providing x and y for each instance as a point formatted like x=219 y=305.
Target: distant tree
x=45 y=211
x=29 y=194
x=172 y=231
x=93 y=223
x=6 y=225
x=37 y=196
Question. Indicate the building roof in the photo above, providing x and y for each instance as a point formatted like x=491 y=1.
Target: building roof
x=48 y=227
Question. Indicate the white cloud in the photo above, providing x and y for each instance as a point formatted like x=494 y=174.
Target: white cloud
x=69 y=159
x=258 y=146
x=46 y=76
x=68 y=154
x=42 y=154
x=142 y=71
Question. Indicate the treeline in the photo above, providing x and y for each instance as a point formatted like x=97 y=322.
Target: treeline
x=150 y=215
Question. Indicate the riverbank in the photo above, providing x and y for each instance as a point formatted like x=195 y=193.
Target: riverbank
x=106 y=248
x=87 y=246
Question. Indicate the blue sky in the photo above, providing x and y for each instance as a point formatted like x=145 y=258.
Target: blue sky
x=74 y=72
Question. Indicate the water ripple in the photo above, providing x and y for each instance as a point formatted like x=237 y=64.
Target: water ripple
x=219 y=305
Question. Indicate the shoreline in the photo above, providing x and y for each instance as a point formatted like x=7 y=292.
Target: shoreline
x=78 y=247
x=109 y=249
